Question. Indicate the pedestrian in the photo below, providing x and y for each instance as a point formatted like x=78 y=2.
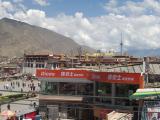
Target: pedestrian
x=21 y=90
x=8 y=107
x=34 y=104
x=39 y=84
x=34 y=88
x=7 y=86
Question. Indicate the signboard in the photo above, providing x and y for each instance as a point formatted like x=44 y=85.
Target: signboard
x=151 y=110
x=43 y=73
x=153 y=113
x=115 y=77
x=109 y=77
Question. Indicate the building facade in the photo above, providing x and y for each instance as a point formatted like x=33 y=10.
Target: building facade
x=86 y=95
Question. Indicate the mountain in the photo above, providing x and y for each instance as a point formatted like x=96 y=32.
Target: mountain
x=18 y=37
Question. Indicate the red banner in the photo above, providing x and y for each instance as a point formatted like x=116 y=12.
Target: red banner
x=43 y=73
x=110 y=77
x=115 y=77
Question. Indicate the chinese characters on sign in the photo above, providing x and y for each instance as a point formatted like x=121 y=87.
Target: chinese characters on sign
x=95 y=77
x=119 y=77
x=71 y=74
x=47 y=74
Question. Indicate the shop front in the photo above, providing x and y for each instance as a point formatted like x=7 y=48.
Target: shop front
x=84 y=91
x=65 y=91
x=67 y=88
x=113 y=91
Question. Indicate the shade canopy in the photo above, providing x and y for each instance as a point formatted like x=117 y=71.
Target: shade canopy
x=8 y=113
x=147 y=93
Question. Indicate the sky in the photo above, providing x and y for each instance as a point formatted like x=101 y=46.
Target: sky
x=100 y=24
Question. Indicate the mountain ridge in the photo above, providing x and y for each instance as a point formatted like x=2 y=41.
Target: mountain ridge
x=17 y=37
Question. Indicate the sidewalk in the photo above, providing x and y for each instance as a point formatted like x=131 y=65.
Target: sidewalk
x=21 y=107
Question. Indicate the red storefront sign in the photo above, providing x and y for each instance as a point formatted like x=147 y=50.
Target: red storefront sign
x=109 y=77
x=43 y=73
x=113 y=77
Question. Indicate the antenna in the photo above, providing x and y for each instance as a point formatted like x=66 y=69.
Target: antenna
x=121 y=44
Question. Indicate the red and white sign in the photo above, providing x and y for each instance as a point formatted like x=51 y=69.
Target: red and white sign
x=43 y=73
x=110 y=77
x=113 y=77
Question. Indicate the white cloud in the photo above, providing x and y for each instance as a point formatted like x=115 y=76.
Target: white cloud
x=7 y=6
x=140 y=30
x=42 y=2
x=131 y=8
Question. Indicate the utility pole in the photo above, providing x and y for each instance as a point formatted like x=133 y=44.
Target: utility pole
x=121 y=44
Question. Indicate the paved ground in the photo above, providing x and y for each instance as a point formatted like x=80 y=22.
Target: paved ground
x=22 y=106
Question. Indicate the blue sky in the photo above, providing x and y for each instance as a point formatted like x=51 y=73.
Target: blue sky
x=96 y=23
x=90 y=8
x=70 y=7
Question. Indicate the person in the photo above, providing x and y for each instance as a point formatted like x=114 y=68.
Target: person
x=33 y=88
x=21 y=90
x=7 y=86
x=34 y=104
x=8 y=106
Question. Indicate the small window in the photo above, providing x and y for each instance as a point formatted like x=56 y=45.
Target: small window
x=36 y=65
x=31 y=65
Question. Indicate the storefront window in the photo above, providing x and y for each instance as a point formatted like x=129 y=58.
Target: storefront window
x=123 y=91
x=63 y=88
x=67 y=88
x=104 y=92
x=51 y=88
x=84 y=89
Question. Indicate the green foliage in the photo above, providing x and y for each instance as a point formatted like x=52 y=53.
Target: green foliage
x=15 y=95
x=11 y=97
